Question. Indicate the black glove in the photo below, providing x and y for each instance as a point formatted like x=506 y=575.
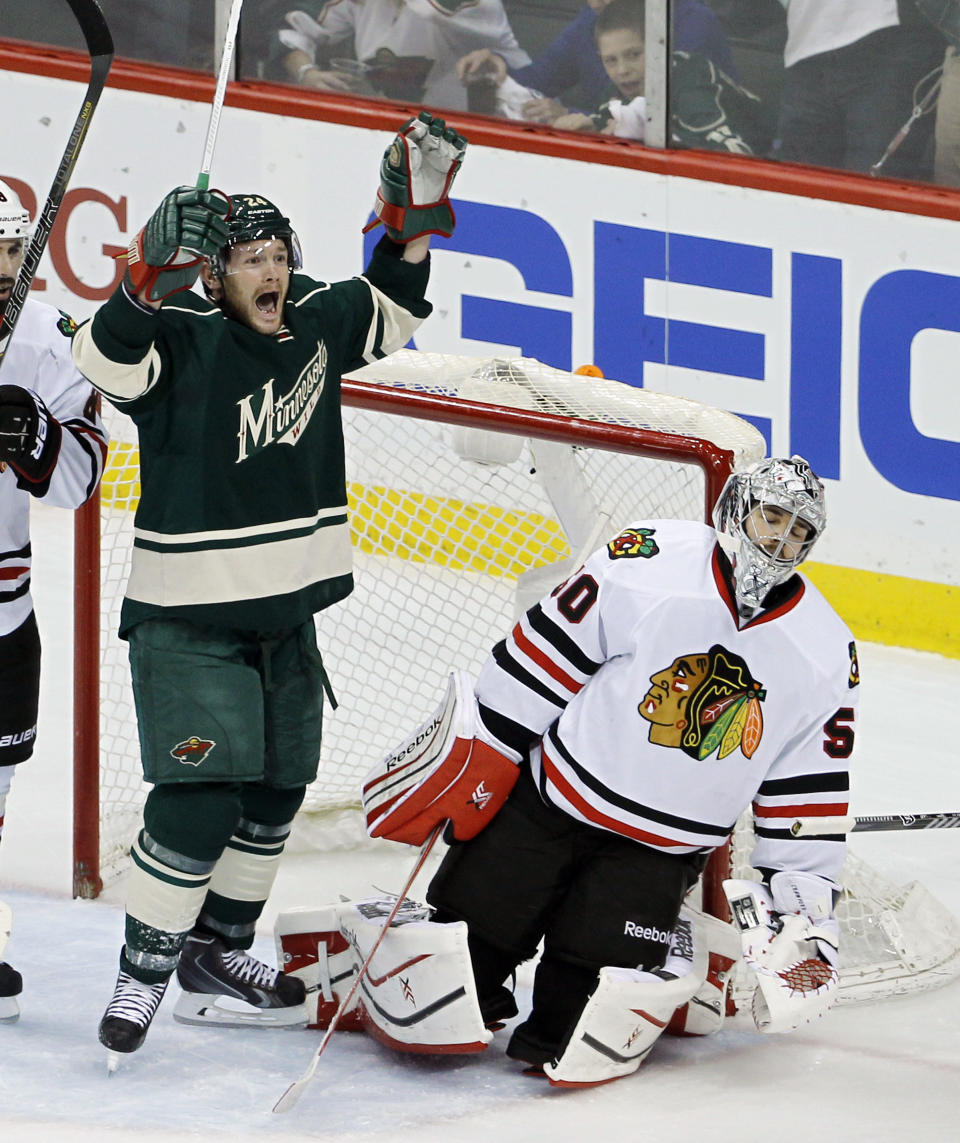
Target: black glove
x=29 y=437
x=187 y=227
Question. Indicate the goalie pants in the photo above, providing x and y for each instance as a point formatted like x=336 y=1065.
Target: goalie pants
x=595 y=898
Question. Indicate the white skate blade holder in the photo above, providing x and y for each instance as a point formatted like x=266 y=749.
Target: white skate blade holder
x=205 y=1009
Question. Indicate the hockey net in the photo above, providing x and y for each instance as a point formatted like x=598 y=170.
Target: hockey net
x=475 y=485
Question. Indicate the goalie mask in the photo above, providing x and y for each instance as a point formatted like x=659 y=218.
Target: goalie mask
x=254 y=218
x=14 y=219
x=768 y=518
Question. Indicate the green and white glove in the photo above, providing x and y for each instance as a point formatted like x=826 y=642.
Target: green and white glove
x=189 y=226
x=416 y=174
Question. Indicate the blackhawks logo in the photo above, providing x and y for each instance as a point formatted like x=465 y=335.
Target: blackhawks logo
x=192 y=751
x=853 y=680
x=633 y=542
x=66 y=325
x=704 y=702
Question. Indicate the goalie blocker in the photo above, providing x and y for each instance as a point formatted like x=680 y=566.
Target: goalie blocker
x=447 y=770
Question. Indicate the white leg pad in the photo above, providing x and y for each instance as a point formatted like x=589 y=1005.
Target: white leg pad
x=712 y=948
x=621 y=1022
x=311 y=946
x=418 y=995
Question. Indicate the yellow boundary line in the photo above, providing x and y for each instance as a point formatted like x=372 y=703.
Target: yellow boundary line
x=455 y=534
x=893 y=609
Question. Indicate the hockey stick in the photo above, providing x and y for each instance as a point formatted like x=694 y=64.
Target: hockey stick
x=100 y=46
x=297 y=1088
x=213 y=125
x=806 y=827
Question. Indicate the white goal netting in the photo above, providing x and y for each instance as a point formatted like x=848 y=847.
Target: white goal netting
x=475 y=485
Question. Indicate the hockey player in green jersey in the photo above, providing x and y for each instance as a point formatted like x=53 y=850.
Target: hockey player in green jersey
x=240 y=537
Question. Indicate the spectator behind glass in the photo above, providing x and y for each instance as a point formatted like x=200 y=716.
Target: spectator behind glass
x=572 y=62
x=707 y=109
x=946 y=151
x=852 y=70
x=402 y=49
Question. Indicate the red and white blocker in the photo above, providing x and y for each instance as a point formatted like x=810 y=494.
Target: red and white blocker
x=445 y=771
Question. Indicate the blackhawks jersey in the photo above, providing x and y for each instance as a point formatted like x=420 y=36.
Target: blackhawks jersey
x=657 y=713
x=38 y=358
x=242 y=520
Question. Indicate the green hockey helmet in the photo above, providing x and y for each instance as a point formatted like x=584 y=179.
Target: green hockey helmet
x=254 y=217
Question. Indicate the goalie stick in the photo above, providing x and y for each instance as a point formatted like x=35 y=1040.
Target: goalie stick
x=100 y=46
x=297 y=1088
x=807 y=827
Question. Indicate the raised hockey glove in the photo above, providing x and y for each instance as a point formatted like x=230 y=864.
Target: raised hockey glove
x=189 y=226
x=29 y=437
x=789 y=938
x=416 y=174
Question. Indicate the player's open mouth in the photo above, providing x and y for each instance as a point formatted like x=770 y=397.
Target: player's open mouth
x=267 y=303
x=6 y=287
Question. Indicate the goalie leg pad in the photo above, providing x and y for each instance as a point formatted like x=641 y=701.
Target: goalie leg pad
x=418 y=994
x=311 y=947
x=620 y=1023
x=711 y=947
x=442 y=771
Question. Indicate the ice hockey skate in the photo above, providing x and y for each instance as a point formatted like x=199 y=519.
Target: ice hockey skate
x=127 y=1019
x=230 y=988
x=11 y=985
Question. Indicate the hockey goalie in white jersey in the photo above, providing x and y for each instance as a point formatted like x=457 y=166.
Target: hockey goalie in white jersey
x=608 y=746
x=52 y=448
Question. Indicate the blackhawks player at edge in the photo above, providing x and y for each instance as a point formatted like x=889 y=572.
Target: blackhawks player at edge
x=52 y=448
x=681 y=674
x=241 y=535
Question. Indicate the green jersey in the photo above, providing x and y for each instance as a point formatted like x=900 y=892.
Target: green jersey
x=242 y=520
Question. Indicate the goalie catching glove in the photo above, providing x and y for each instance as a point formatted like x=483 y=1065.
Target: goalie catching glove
x=416 y=174
x=447 y=770
x=29 y=437
x=789 y=938
x=189 y=226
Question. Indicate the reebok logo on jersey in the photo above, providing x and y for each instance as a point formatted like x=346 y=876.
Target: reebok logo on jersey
x=646 y=933
x=267 y=419
x=192 y=751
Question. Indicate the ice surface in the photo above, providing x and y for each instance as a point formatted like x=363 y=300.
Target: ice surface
x=874 y=1072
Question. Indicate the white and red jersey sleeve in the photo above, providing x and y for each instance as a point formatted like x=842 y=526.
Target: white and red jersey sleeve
x=38 y=358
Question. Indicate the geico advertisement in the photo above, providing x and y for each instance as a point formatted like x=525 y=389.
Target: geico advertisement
x=834 y=328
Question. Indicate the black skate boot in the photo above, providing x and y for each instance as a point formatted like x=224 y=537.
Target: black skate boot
x=127 y=1018
x=11 y=985
x=231 y=988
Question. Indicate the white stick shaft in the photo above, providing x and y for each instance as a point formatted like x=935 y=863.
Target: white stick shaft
x=808 y=827
x=297 y=1088
x=226 y=62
